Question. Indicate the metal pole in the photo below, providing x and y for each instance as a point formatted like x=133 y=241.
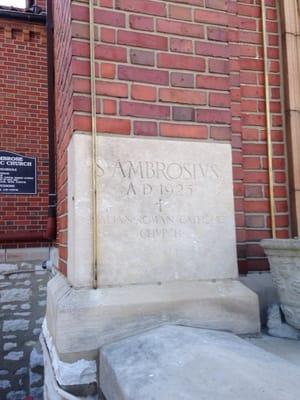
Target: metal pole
x=268 y=118
x=93 y=146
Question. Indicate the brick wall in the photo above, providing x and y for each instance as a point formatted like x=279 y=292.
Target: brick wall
x=64 y=115
x=24 y=119
x=185 y=69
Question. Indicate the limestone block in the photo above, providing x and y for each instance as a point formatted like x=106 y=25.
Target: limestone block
x=27 y=254
x=180 y=363
x=82 y=320
x=165 y=211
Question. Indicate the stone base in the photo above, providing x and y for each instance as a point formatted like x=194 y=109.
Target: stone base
x=80 y=321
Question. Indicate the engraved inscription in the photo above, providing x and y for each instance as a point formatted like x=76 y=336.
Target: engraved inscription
x=159 y=181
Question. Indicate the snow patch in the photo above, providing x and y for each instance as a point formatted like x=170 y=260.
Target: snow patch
x=81 y=372
x=15 y=325
x=9 y=346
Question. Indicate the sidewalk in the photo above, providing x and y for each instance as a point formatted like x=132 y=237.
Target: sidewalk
x=22 y=309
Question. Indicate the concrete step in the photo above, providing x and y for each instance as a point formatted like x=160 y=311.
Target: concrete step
x=182 y=363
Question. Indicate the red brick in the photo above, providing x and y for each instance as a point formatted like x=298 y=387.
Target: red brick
x=114 y=89
x=143 y=75
x=213 y=116
x=218 y=66
x=178 y=12
x=145 y=128
x=142 y=40
x=183 y=114
x=211 y=17
x=142 y=57
x=182 y=96
x=219 y=100
x=182 y=45
x=108 y=70
x=217 y=4
x=212 y=82
x=184 y=131
x=109 y=107
x=165 y=60
x=143 y=6
x=114 y=125
x=108 y=35
x=180 y=28
x=111 y=18
x=141 y=92
x=218 y=34
x=141 y=22
x=220 y=133
x=142 y=110
x=212 y=49
x=181 y=79
x=111 y=53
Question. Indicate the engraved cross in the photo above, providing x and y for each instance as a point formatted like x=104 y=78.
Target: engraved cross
x=159 y=204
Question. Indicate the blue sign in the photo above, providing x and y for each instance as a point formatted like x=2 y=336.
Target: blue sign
x=17 y=174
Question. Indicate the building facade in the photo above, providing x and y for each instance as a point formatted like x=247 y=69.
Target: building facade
x=174 y=71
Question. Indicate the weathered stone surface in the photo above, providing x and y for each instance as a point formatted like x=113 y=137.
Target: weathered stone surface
x=83 y=320
x=284 y=259
x=11 y=295
x=21 y=316
x=181 y=363
x=161 y=209
x=33 y=254
x=15 y=325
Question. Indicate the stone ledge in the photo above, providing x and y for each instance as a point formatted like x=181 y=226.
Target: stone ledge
x=176 y=363
x=80 y=321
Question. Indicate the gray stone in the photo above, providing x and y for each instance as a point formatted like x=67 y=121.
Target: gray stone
x=34 y=377
x=22 y=314
x=14 y=355
x=19 y=276
x=19 y=395
x=180 y=363
x=10 y=307
x=9 y=346
x=11 y=295
x=37 y=393
x=33 y=254
x=25 y=306
x=39 y=321
x=21 y=371
x=15 y=325
x=4 y=384
x=36 y=359
x=277 y=327
x=4 y=372
x=8 y=268
x=25 y=283
x=4 y=284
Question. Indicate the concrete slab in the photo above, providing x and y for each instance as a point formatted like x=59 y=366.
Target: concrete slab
x=2 y=255
x=287 y=349
x=27 y=254
x=181 y=363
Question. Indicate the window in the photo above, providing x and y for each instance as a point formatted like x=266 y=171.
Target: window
x=14 y=3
